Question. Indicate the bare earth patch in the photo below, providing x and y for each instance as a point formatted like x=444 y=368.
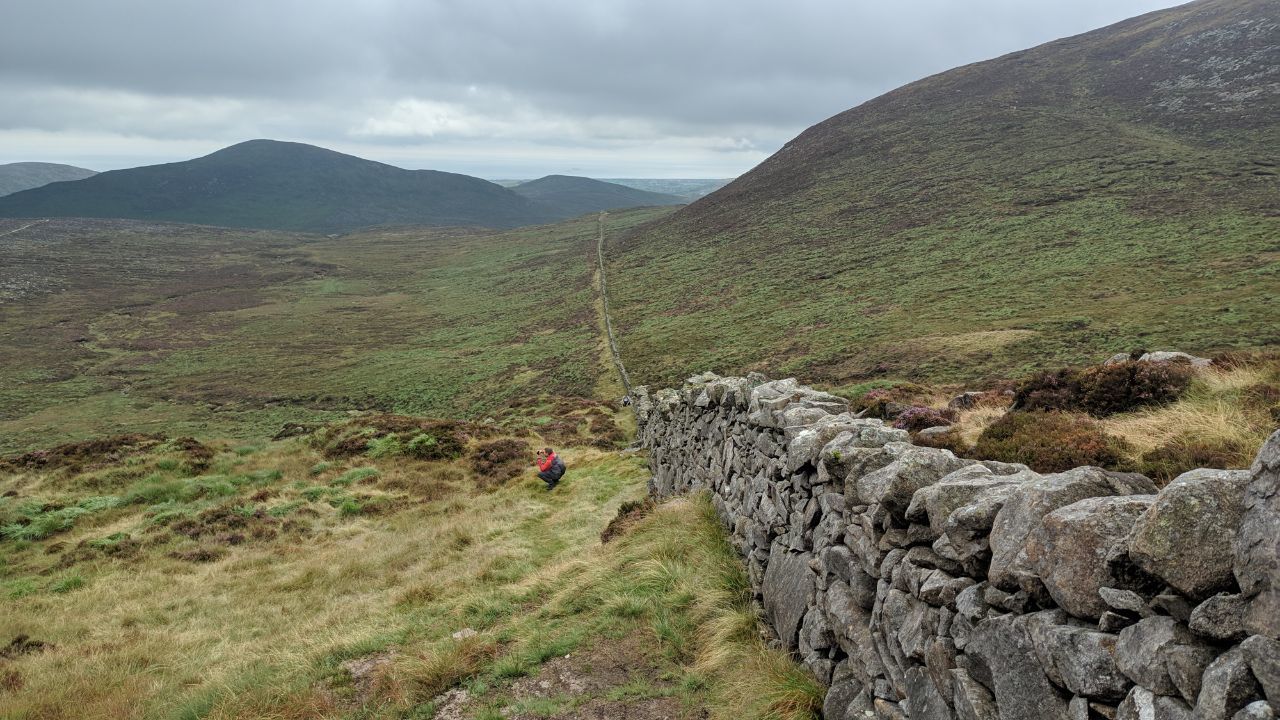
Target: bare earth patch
x=612 y=680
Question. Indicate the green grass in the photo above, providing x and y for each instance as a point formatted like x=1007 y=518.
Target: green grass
x=212 y=332
x=960 y=302
x=236 y=606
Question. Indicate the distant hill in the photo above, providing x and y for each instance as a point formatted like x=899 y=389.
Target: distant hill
x=15 y=177
x=571 y=196
x=1105 y=192
x=283 y=186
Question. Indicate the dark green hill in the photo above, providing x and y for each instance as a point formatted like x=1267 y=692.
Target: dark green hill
x=571 y=196
x=283 y=186
x=15 y=177
x=1113 y=190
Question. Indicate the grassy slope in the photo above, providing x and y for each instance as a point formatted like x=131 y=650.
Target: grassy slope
x=191 y=330
x=263 y=630
x=286 y=186
x=1041 y=208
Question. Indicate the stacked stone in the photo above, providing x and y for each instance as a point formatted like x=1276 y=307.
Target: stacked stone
x=916 y=584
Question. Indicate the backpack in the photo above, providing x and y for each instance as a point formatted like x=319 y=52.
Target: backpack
x=557 y=468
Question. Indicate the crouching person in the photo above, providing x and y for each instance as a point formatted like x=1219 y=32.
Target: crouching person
x=550 y=467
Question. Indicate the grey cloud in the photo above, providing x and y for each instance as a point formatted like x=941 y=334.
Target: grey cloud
x=726 y=76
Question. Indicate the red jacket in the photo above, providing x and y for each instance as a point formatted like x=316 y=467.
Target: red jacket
x=545 y=463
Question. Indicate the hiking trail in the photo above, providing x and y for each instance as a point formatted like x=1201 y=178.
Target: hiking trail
x=603 y=286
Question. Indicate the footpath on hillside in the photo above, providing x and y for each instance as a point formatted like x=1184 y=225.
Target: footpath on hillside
x=602 y=285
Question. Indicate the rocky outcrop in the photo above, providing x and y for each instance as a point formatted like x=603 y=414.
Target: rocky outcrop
x=916 y=584
x=1161 y=356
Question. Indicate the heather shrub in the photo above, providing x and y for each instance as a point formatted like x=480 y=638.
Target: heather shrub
x=1188 y=453
x=887 y=403
x=949 y=440
x=1047 y=390
x=498 y=461
x=605 y=433
x=428 y=446
x=1110 y=389
x=917 y=417
x=1102 y=390
x=387 y=436
x=1049 y=442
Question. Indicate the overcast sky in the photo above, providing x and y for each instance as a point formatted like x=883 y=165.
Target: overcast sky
x=495 y=88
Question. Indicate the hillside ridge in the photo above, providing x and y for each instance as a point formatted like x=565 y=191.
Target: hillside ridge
x=270 y=184
x=1109 y=190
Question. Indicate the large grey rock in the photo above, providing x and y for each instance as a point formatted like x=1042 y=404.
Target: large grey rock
x=1220 y=618
x=1263 y=656
x=1024 y=510
x=1124 y=601
x=893 y=485
x=815 y=632
x=1142 y=704
x=935 y=503
x=1140 y=651
x=846 y=699
x=1173 y=605
x=1069 y=550
x=1187 y=537
x=849 y=622
x=924 y=697
x=733 y=391
x=1079 y=659
x=1164 y=356
x=1186 y=665
x=888 y=710
x=773 y=395
x=839 y=562
x=912 y=623
x=851 y=455
x=805 y=442
x=1257 y=558
x=1259 y=710
x=1006 y=652
x=1228 y=685
x=970 y=700
x=787 y=588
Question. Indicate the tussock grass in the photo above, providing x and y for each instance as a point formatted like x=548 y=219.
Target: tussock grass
x=1224 y=417
x=264 y=628
x=973 y=421
x=1221 y=420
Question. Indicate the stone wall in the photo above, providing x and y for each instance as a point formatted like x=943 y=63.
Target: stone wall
x=915 y=584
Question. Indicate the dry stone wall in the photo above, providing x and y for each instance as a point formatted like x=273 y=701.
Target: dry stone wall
x=917 y=584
